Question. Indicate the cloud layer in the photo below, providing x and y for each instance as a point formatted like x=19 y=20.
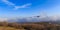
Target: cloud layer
x=32 y=19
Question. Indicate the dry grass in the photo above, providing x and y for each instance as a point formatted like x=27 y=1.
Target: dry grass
x=9 y=28
x=29 y=26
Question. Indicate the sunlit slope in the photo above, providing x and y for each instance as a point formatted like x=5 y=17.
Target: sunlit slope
x=8 y=28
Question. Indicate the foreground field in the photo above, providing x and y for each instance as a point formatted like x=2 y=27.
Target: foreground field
x=29 y=26
x=8 y=28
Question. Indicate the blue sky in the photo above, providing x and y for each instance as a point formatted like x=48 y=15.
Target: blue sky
x=27 y=8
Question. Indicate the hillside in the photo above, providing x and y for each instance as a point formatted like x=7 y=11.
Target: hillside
x=29 y=26
x=8 y=28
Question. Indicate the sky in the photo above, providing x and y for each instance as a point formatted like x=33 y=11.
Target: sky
x=27 y=8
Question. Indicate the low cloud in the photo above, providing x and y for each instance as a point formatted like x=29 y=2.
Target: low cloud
x=32 y=19
x=3 y=19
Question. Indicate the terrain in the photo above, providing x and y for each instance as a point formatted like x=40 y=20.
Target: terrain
x=29 y=26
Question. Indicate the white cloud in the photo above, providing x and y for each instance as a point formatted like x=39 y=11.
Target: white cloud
x=28 y=19
x=23 y=6
x=3 y=19
x=14 y=5
x=8 y=3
